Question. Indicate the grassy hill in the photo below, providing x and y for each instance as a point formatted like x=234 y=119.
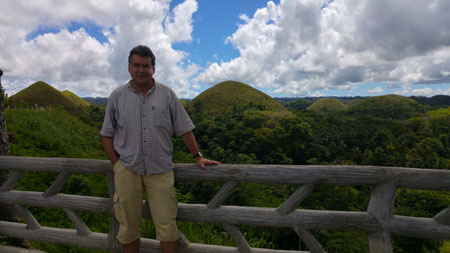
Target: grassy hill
x=298 y=104
x=223 y=97
x=41 y=94
x=439 y=113
x=441 y=101
x=52 y=133
x=327 y=104
x=387 y=106
x=75 y=99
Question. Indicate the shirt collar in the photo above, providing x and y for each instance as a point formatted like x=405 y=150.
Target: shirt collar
x=128 y=84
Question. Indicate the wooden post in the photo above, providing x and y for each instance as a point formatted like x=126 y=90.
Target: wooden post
x=381 y=206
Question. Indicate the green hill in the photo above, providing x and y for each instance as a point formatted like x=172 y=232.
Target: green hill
x=75 y=99
x=298 y=104
x=387 y=106
x=439 y=113
x=41 y=94
x=223 y=97
x=52 y=133
x=327 y=104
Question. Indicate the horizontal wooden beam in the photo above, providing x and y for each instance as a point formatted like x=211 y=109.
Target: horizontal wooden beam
x=426 y=179
x=99 y=241
x=75 y=202
x=253 y=216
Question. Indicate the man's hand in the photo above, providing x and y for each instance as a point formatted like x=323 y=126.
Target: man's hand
x=202 y=162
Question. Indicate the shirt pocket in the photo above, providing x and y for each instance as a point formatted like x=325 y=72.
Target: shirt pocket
x=162 y=120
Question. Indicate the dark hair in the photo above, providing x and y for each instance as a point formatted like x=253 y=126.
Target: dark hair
x=143 y=51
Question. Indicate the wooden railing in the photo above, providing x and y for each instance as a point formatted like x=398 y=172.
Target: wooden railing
x=378 y=221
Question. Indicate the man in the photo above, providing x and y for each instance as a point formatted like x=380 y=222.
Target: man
x=140 y=118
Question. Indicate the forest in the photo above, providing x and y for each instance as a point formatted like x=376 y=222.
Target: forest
x=384 y=131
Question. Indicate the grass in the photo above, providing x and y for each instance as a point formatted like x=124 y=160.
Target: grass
x=327 y=104
x=75 y=99
x=222 y=97
x=42 y=94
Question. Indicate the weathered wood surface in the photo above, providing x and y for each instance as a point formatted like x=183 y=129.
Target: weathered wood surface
x=78 y=223
x=75 y=202
x=99 y=241
x=223 y=194
x=31 y=222
x=381 y=206
x=412 y=178
x=237 y=237
x=11 y=180
x=55 y=235
x=58 y=184
x=378 y=222
x=443 y=216
x=254 y=216
x=308 y=219
x=310 y=241
x=294 y=200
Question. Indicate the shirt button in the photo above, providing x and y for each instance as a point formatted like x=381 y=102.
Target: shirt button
x=143 y=116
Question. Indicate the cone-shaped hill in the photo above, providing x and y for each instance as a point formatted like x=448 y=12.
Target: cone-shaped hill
x=327 y=104
x=223 y=97
x=75 y=99
x=387 y=106
x=41 y=94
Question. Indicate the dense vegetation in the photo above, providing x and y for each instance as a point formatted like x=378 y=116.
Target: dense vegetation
x=385 y=131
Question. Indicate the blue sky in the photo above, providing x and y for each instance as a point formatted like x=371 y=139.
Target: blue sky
x=286 y=48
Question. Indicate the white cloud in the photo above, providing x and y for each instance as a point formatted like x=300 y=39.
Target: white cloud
x=377 y=89
x=408 y=90
x=75 y=60
x=302 y=46
x=296 y=47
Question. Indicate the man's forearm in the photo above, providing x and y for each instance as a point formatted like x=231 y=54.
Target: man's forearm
x=108 y=145
x=191 y=143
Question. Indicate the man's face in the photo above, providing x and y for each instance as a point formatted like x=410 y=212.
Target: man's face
x=141 y=70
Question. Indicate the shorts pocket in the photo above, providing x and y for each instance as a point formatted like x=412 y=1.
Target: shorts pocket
x=173 y=198
x=117 y=208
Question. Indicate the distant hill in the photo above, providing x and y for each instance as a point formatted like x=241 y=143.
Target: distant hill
x=96 y=100
x=387 y=106
x=439 y=113
x=435 y=101
x=222 y=97
x=327 y=104
x=41 y=94
x=75 y=99
x=298 y=104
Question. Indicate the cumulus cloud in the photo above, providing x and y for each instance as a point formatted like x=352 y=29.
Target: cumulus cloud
x=409 y=90
x=300 y=47
x=377 y=89
x=75 y=60
x=296 y=47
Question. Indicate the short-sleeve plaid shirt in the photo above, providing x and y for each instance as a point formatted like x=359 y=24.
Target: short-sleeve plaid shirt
x=142 y=127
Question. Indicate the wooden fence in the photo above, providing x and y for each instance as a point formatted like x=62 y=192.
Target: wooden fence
x=378 y=221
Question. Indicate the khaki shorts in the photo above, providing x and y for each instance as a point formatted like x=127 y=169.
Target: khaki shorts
x=128 y=204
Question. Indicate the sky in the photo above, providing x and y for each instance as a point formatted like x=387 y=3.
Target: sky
x=284 y=48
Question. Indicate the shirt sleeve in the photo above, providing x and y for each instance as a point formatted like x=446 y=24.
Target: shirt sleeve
x=109 y=122
x=181 y=121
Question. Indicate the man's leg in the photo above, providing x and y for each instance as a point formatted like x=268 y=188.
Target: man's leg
x=169 y=247
x=131 y=247
x=162 y=199
x=128 y=206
